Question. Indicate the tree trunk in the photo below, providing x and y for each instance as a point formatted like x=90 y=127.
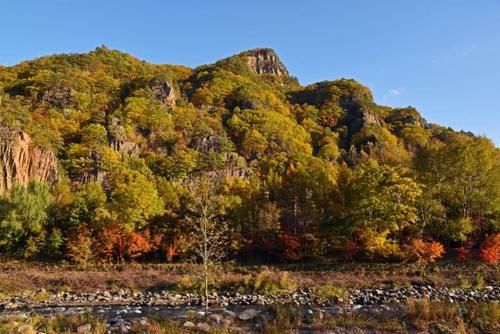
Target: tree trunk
x=205 y=269
x=206 y=292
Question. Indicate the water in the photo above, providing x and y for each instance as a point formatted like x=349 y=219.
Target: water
x=126 y=312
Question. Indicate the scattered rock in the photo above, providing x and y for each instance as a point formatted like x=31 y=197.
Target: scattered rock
x=189 y=324
x=84 y=328
x=248 y=314
x=216 y=317
x=203 y=326
x=230 y=313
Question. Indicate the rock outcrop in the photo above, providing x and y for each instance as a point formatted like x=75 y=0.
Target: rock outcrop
x=22 y=161
x=401 y=117
x=163 y=92
x=265 y=61
x=118 y=139
x=59 y=97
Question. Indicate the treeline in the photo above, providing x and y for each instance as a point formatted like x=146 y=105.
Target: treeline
x=299 y=172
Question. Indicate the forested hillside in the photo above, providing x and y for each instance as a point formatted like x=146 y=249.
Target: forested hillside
x=100 y=152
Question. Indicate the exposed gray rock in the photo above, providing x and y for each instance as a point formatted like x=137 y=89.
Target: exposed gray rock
x=189 y=324
x=265 y=61
x=216 y=317
x=163 y=92
x=59 y=97
x=118 y=139
x=248 y=314
x=203 y=326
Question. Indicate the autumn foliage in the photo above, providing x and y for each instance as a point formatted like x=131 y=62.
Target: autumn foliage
x=299 y=169
x=463 y=253
x=119 y=245
x=490 y=249
x=292 y=247
x=427 y=252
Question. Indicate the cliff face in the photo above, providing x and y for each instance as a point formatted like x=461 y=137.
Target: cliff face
x=265 y=61
x=163 y=92
x=22 y=161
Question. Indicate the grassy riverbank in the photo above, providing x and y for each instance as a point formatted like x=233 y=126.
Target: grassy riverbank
x=19 y=276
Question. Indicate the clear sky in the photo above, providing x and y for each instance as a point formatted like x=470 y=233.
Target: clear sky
x=441 y=56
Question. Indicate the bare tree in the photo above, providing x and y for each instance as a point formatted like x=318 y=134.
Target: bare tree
x=210 y=231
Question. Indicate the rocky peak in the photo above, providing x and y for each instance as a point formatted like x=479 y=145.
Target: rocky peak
x=22 y=161
x=265 y=61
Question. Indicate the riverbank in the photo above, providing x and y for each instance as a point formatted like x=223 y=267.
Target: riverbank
x=413 y=316
x=21 y=276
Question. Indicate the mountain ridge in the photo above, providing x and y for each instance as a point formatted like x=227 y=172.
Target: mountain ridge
x=296 y=164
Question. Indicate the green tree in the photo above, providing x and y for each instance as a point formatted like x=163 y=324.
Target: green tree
x=462 y=176
x=133 y=199
x=382 y=204
x=25 y=215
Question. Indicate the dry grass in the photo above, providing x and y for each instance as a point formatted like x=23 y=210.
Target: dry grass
x=444 y=317
x=17 y=276
x=51 y=325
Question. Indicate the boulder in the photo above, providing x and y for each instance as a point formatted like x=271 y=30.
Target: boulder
x=248 y=314
x=203 y=326
x=189 y=324
x=216 y=317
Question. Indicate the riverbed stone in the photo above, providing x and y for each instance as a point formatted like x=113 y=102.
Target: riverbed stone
x=216 y=317
x=189 y=324
x=86 y=328
x=203 y=326
x=248 y=314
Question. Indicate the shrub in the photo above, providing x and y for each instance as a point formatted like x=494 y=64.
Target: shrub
x=189 y=283
x=79 y=248
x=427 y=252
x=463 y=253
x=490 y=249
x=376 y=245
x=270 y=283
x=350 y=249
x=118 y=244
x=329 y=292
x=292 y=247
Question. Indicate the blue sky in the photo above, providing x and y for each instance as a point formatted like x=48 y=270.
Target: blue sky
x=441 y=56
